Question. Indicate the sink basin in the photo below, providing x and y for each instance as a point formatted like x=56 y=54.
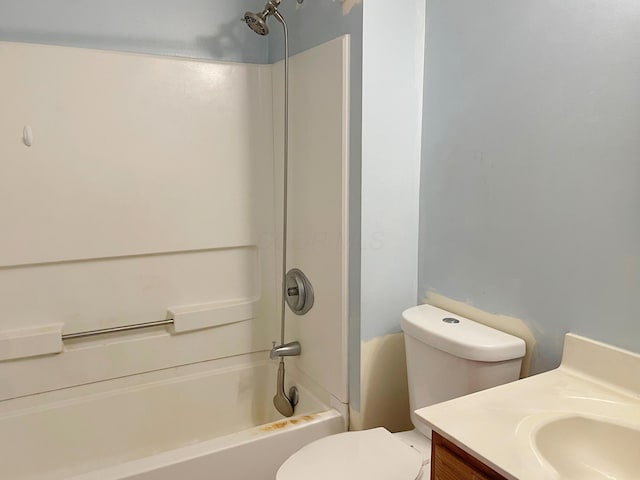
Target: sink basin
x=583 y=448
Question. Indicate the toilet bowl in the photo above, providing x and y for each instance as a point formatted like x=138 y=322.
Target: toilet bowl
x=373 y=454
x=447 y=356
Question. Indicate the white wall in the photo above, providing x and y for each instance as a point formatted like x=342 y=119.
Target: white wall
x=153 y=185
x=530 y=190
x=311 y=24
x=318 y=204
x=144 y=190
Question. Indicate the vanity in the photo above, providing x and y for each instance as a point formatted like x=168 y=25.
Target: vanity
x=580 y=421
x=450 y=462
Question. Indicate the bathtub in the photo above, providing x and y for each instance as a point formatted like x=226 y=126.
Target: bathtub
x=204 y=421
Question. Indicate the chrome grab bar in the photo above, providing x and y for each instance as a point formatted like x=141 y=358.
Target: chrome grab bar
x=124 y=328
x=49 y=339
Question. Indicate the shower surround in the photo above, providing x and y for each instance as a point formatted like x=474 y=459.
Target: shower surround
x=153 y=184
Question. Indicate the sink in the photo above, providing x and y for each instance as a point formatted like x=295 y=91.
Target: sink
x=584 y=448
x=580 y=421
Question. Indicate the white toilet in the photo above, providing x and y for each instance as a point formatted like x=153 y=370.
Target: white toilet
x=448 y=356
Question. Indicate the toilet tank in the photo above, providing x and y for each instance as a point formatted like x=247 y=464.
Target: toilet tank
x=449 y=356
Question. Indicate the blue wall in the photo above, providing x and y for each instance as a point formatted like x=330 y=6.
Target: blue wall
x=312 y=23
x=208 y=29
x=531 y=169
x=393 y=60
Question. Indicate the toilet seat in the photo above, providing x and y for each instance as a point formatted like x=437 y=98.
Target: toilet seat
x=370 y=454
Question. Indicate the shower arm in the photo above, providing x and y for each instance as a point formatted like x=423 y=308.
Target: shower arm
x=271 y=8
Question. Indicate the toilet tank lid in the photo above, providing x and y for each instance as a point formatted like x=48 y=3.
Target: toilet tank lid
x=460 y=336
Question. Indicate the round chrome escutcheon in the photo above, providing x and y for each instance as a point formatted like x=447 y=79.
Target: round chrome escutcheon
x=299 y=292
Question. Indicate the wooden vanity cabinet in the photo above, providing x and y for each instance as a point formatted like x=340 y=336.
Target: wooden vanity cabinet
x=449 y=462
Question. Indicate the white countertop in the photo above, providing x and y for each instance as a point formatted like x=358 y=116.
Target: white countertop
x=497 y=425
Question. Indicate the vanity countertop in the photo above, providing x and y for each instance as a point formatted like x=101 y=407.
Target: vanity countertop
x=519 y=429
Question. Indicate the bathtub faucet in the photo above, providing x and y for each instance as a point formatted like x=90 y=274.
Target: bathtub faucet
x=291 y=349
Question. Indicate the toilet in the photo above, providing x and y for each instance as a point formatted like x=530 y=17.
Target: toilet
x=448 y=356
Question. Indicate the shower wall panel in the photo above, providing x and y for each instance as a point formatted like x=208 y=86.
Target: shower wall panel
x=131 y=184
x=318 y=205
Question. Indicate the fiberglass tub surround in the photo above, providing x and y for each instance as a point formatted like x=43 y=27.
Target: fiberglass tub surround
x=153 y=203
x=578 y=422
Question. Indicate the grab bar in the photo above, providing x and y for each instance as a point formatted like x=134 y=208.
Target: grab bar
x=123 y=328
x=48 y=339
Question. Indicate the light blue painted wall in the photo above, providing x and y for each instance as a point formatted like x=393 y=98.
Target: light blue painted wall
x=531 y=169
x=209 y=29
x=312 y=23
x=393 y=59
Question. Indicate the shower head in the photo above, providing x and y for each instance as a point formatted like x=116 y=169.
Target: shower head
x=258 y=21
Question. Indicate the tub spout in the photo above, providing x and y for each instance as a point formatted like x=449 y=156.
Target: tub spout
x=291 y=349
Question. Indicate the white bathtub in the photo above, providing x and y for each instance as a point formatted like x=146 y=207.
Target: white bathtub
x=190 y=423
